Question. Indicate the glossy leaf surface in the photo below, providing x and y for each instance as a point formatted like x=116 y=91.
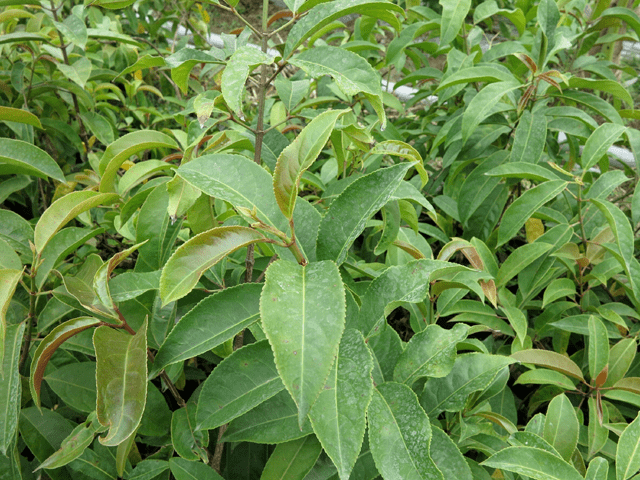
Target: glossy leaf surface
x=22 y=157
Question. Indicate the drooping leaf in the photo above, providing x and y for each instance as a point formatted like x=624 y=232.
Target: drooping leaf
x=22 y=157
x=65 y=209
x=296 y=158
x=430 y=353
x=470 y=373
x=561 y=426
x=188 y=443
x=10 y=386
x=184 y=268
x=121 y=377
x=243 y=380
x=350 y=71
x=532 y=462
x=199 y=330
x=526 y=205
x=49 y=345
x=338 y=415
x=349 y=212
x=549 y=359
x=235 y=74
x=628 y=451
x=400 y=434
x=303 y=314
x=130 y=144
x=292 y=460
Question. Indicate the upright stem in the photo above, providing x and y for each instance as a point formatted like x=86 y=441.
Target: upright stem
x=76 y=106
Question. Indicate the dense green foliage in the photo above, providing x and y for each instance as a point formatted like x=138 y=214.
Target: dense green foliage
x=253 y=262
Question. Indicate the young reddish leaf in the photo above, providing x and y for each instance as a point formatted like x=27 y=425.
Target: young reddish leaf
x=66 y=209
x=183 y=270
x=49 y=345
x=549 y=359
x=303 y=315
x=299 y=156
x=103 y=274
x=121 y=378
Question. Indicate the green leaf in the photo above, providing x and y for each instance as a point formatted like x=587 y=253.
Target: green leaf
x=235 y=74
x=9 y=259
x=400 y=149
x=478 y=186
x=298 y=156
x=402 y=283
x=518 y=321
x=121 y=377
x=338 y=415
x=348 y=213
x=430 y=353
x=49 y=345
x=184 y=268
x=18 y=115
x=292 y=460
x=598 y=469
x=188 y=443
x=65 y=209
x=352 y=73
x=541 y=376
x=73 y=446
x=74 y=30
x=623 y=234
x=144 y=62
x=10 y=386
x=519 y=259
x=483 y=104
x=561 y=426
x=182 y=196
x=559 y=288
x=470 y=373
x=400 y=434
x=75 y=384
x=114 y=4
x=148 y=469
x=9 y=279
x=303 y=313
x=291 y=92
x=273 y=421
x=484 y=73
x=549 y=359
x=453 y=14
x=325 y=13
x=448 y=457
x=60 y=246
x=628 y=451
x=242 y=381
x=621 y=357
x=532 y=462
x=183 y=61
x=185 y=470
x=607 y=86
x=526 y=205
x=548 y=17
x=22 y=157
x=598 y=346
x=43 y=432
x=235 y=309
x=126 y=146
x=599 y=142
x=78 y=72
x=129 y=285
x=530 y=138
x=597 y=433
